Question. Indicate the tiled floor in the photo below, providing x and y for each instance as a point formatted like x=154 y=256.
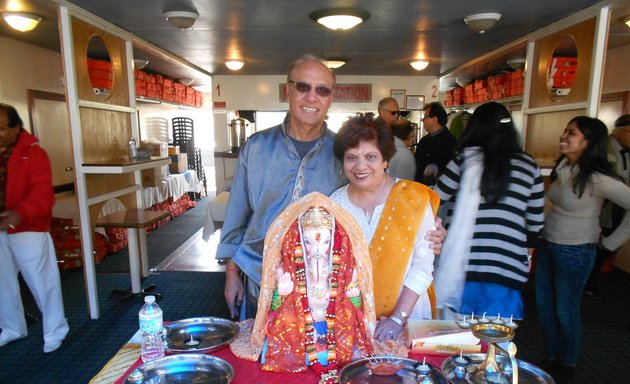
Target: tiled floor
x=195 y=255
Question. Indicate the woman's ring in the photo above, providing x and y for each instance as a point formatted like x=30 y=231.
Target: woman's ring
x=390 y=333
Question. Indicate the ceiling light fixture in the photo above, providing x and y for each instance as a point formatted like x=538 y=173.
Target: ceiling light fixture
x=516 y=63
x=186 y=82
x=481 y=22
x=181 y=19
x=419 y=64
x=140 y=63
x=626 y=20
x=463 y=81
x=340 y=18
x=234 y=64
x=335 y=62
x=21 y=21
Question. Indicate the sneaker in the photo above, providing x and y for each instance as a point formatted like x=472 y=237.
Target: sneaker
x=4 y=339
x=52 y=346
x=595 y=294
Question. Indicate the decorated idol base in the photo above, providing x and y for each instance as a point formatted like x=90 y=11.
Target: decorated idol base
x=491 y=367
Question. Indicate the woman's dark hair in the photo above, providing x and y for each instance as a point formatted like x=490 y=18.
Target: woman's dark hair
x=492 y=129
x=364 y=128
x=13 y=116
x=594 y=158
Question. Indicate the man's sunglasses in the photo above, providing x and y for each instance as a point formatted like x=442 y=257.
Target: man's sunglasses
x=394 y=113
x=306 y=88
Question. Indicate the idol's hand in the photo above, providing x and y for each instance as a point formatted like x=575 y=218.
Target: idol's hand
x=436 y=236
x=285 y=284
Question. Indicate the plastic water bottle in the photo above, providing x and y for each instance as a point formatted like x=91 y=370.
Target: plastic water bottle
x=152 y=346
x=133 y=148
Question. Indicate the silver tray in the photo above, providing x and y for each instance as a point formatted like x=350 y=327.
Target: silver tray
x=527 y=373
x=357 y=372
x=199 y=335
x=185 y=368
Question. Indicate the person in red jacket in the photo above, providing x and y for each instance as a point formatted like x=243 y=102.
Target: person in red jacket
x=26 y=202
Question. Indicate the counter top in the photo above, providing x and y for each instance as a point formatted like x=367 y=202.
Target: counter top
x=124 y=165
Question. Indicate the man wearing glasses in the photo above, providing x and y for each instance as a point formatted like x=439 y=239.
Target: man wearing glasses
x=436 y=148
x=277 y=166
x=388 y=110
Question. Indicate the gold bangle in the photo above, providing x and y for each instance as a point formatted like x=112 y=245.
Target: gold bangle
x=11 y=226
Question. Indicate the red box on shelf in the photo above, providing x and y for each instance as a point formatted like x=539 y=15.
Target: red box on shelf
x=101 y=83
x=99 y=64
x=563 y=62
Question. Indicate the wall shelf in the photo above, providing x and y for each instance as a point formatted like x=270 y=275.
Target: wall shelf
x=124 y=165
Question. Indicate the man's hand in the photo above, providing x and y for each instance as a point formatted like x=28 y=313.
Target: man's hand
x=436 y=236
x=9 y=220
x=234 y=288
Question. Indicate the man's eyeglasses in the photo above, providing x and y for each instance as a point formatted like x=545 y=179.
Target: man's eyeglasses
x=303 y=87
x=393 y=113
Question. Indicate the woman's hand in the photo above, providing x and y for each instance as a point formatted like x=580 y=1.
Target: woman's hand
x=387 y=329
x=436 y=236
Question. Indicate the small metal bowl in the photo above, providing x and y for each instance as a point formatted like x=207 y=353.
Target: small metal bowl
x=186 y=368
x=199 y=335
x=493 y=333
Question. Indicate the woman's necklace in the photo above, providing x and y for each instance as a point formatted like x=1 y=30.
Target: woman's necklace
x=375 y=198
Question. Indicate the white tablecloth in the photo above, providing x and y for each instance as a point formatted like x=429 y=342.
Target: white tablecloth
x=175 y=186
x=215 y=213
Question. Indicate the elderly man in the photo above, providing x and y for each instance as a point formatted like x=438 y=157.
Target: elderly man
x=277 y=166
x=26 y=201
x=388 y=110
x=610 y=218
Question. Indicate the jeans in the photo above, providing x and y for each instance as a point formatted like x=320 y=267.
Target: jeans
x=561 y=273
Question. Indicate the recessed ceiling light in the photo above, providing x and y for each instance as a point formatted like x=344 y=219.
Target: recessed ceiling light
x=21 y=21
x=419 y=64
x=481 y=22
x=140 y=63
x=340 y=18
x=626 y=20
x=234 y=64
x=334 y=63
x=181 y=19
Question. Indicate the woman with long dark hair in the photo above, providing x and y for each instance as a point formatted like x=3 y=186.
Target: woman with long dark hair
x=497 y=191
x=581 y=181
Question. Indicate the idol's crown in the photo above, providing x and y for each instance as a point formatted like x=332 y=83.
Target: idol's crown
x=316 y=217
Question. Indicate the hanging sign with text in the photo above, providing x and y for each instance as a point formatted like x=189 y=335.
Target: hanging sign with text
x=343 y=93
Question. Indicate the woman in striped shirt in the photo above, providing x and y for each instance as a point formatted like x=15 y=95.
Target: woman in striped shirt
x=496 y=191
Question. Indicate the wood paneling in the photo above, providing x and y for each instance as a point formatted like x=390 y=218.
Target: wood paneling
x=583 y=33
x=82 y=33
x=543 y=134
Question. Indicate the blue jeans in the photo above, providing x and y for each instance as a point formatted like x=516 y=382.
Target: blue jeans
x=561 y=273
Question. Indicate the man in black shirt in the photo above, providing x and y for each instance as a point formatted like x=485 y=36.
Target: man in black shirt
x=436 y=148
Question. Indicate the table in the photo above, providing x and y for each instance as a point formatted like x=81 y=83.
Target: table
x=135 y=221
x=173 y=186
x=215 y=214
x=245 y=372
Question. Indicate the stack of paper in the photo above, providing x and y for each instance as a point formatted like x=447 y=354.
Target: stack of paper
x=441 y=337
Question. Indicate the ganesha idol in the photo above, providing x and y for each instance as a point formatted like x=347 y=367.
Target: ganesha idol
x=316 y=306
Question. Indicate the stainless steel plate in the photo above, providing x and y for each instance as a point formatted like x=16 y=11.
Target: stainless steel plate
x=190 y=368
x=199 y=335
x=357 y=372
x=527 y=373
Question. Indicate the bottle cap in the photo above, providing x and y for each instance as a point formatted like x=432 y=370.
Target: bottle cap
x=149 y=299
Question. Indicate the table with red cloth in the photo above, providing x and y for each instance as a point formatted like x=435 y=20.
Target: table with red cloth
x=247 y=372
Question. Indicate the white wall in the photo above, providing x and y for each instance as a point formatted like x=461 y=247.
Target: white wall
x=24 y=66
x=262 y=93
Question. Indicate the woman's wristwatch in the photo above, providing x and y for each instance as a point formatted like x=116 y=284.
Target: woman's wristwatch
x=402 y=320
